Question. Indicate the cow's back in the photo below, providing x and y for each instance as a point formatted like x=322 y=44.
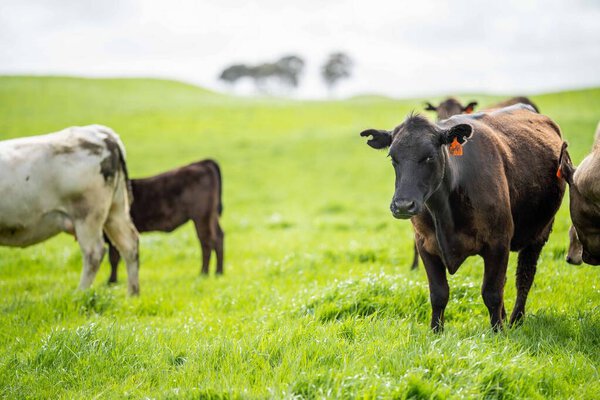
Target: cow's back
x=166 y=201
x=48 y=180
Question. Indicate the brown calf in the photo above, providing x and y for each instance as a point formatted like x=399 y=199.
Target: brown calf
x=166 y=201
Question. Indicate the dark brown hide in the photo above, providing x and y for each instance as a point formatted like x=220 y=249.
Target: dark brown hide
x=166 y=201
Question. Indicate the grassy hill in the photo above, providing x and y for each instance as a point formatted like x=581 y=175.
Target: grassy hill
x=317 y=298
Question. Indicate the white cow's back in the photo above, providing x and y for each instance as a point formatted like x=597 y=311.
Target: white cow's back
x=47 y=180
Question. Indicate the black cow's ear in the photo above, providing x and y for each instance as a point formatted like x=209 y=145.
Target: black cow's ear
x=430 y=107
x=470 y=107
x=461 y=132
x=566 y=170
x=381 y=139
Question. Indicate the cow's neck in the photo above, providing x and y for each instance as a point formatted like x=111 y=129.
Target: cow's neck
x=440 y=208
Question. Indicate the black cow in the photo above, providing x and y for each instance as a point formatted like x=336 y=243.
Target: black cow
x=501 y=195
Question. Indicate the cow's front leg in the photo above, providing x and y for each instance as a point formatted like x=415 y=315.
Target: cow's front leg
x=496 y=261
x=91 y=242
x=439 y=291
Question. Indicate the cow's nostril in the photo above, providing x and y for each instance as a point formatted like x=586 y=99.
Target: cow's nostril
x=569 y=259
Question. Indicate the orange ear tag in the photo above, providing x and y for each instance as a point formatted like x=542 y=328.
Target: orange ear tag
x=559 y=173
x=456 y=148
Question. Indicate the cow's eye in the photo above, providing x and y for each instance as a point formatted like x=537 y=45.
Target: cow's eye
x=427 y=159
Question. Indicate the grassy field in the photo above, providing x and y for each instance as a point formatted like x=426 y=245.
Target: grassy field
x=317 y=300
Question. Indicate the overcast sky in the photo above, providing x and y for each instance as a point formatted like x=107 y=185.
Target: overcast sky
x=400 y=48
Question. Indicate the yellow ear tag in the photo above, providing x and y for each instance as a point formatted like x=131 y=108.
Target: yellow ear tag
x=456 y=148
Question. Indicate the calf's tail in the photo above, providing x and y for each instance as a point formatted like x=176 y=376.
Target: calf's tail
x=220 y=183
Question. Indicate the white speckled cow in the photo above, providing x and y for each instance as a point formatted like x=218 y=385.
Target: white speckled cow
x=72 y=181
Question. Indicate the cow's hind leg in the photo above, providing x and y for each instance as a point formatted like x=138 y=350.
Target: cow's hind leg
x=91 y=242
x=526 y=268
x=494 y=278
x=124 y=236
x=206 y=241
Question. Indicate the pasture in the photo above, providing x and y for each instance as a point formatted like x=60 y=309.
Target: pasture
x=317 y=300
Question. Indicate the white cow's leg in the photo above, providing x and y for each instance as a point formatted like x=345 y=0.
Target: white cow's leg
x=91 y=242
x=124 y=237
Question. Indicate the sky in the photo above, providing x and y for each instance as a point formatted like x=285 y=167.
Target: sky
x=400 y=48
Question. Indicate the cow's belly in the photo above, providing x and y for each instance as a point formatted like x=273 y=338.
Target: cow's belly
x=34 y=230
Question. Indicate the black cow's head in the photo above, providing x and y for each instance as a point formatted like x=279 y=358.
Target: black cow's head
x=418 y=152
x=450 y=107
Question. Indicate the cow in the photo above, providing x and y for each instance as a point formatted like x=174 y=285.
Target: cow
x=72 y=181
x=451 y=106
x=480 y=184
x=166 y=201
x=584 y=195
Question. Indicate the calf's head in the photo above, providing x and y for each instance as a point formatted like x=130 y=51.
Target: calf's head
x=417 y=149
x=450 y=107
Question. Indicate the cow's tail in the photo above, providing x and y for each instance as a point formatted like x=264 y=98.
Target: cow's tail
x=122 y=161
x=217 y=169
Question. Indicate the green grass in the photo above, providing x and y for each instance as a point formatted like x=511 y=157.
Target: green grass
x=317 y=300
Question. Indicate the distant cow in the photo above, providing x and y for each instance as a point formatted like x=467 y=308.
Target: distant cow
x=166 y=201
x=500 y=195
x=72 y=181
x=584 y=195
x=451 y=106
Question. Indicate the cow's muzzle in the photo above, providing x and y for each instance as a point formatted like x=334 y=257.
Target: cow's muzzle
x=404 y=209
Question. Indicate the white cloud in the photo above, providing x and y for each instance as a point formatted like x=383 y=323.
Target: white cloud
x=400 y=47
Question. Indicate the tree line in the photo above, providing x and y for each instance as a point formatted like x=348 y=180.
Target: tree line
x=287 y=71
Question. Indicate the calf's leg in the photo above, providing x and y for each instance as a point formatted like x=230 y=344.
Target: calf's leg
x=114 y=257
x=494 y=278
x=219 y=243
x=439 y=291
x=206 y=242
